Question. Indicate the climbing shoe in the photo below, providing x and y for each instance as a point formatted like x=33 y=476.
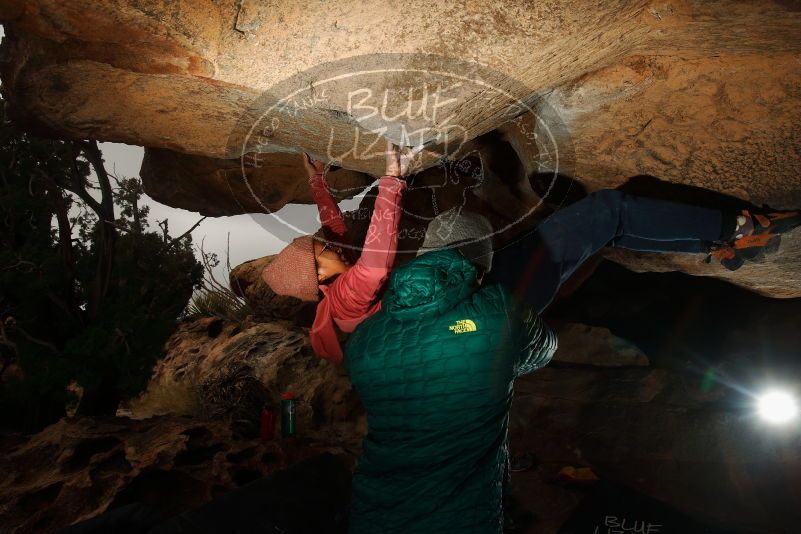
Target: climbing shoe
x=726 y=255
x=755 y=236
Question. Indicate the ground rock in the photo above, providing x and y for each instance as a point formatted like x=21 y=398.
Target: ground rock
x=232 y=370
x=592 y=345
x=78 y=468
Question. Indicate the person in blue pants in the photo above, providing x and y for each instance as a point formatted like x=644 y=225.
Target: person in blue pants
x=535 y=265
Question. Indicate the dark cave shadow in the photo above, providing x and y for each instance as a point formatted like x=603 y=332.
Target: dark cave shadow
x=309 y=497
x=649 y=186
x=611 y=507
x=567 y=190
x=557 y=190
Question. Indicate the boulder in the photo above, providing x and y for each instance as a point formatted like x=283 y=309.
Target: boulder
x=581 y=344
x=78 y=468
x=695 y=93
x=232 y=370
x=216 y=186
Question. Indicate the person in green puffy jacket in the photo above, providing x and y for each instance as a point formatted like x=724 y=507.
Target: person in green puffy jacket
x=434 y=369
x=435 y=366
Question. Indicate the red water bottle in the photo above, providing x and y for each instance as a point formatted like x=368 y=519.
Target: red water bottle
x=267 y=424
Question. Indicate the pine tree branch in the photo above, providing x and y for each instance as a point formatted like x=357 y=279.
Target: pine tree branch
x=177 y=239
x=78 y=186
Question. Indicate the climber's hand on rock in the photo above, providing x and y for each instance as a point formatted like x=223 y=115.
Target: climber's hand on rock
x=401 y=162
x=393 y=167
x=409 y=161
x=313 y=166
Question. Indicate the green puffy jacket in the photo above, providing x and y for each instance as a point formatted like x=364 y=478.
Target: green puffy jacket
x=434 y=369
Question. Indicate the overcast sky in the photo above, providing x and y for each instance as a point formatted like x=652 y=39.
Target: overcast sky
x=248 y=240
x=251 y=236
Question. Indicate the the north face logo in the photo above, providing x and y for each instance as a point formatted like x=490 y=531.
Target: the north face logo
x=462 y=326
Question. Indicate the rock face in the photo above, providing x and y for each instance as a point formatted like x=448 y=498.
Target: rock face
x=778 y=276
x=690 y=91
x=77 y=468
x=232 y=370
x=695 y=93
x=580 y=344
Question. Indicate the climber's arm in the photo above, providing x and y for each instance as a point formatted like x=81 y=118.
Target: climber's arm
x=331 y=216
x=356 y=291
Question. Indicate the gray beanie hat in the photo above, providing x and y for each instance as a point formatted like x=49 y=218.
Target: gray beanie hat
x=454 y=226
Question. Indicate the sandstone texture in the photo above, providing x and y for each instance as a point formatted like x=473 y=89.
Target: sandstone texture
x=215 y=186
x=701 y=94
x=580 y=344
x=78 y=468
x=233 y=370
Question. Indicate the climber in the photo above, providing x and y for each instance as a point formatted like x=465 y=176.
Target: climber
x=538 y=263
x=324 y=263
x=434 y=368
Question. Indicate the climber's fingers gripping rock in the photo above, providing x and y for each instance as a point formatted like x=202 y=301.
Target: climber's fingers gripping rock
x=401 y=163
x=313 y=166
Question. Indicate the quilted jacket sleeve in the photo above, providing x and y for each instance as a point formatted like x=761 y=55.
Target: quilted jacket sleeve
x=537 y=343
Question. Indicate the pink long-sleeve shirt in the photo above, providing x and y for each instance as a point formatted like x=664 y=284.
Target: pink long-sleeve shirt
x=355 y=294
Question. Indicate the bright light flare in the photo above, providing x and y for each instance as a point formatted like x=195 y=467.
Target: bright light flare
x=777 y=407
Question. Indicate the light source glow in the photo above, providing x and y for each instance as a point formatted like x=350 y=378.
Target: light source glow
x=777 y=407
